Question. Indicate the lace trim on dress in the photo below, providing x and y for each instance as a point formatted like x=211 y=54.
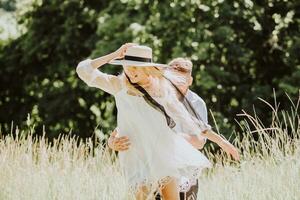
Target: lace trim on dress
x=191 y=174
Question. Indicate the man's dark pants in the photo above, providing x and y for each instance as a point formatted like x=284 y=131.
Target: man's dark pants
x=189 y=195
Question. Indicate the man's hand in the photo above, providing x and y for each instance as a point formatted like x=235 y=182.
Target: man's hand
x=230 y=149
x=223 y=143
x=118 y=143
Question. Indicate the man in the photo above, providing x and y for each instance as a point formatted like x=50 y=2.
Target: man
x=183 y=68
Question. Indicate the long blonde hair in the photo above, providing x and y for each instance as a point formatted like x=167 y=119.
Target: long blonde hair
x=155 y=74
x=161 y=76
x=183 y=62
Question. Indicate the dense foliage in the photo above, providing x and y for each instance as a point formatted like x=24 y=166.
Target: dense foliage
x=241 y=50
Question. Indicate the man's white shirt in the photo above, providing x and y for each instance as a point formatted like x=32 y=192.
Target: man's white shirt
x=198 y=105
x=199 y=108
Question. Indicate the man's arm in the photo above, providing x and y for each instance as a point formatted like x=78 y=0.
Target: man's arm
x=195 y=140
x=201 y=110
x=118 y=143
x=223 y=143
x=122 y=143
x=198 y=105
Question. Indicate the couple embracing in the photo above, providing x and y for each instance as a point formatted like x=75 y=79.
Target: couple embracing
x=161 y=119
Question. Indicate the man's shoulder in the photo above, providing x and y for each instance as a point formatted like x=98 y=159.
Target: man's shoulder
x=192 y=96
x=199 y=105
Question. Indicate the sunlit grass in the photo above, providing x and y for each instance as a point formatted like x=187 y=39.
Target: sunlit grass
x=269 y=166
x=32 y=169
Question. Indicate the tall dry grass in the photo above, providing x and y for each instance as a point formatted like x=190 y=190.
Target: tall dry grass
x=269 y=166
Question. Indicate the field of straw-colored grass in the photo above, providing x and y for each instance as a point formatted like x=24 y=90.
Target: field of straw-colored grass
x=269 y=166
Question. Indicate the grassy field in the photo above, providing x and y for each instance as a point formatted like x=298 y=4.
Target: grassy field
x=269 y=166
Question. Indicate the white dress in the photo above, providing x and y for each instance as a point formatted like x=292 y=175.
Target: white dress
x=156 y=151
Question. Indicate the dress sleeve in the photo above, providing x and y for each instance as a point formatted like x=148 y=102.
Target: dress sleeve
x=95 y=78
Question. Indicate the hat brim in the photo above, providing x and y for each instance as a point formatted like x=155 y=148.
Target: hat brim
x=137 y=63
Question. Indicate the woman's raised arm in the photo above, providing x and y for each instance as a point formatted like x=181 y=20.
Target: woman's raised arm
x=88 y=71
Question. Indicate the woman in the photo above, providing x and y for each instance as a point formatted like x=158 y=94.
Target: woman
x=148 y=110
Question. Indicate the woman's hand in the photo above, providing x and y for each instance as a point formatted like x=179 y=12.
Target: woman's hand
x=120 y=53
x=98 y=62
x=229 y=149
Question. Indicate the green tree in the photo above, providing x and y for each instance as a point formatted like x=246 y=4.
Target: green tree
x=241 y=50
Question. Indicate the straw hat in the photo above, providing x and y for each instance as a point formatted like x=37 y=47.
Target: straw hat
x=138 y=56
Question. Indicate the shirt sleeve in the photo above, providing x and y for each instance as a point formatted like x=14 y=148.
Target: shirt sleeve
x=200 y=107
x=95 y=78
x=185 y=122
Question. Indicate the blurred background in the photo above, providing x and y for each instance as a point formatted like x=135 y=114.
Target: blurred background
x=242 y=50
